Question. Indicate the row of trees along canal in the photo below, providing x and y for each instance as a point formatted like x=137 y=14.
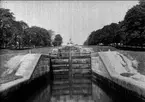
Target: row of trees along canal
x=17 y=34
x=129 y=32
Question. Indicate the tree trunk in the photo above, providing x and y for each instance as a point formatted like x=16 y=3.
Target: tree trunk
x=19 y=43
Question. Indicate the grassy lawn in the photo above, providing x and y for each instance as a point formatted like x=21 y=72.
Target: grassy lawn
x=140 y=57
x=3 y=59
x=9 y=78
x=101 y=48
x=44 y=50
x=6 y=54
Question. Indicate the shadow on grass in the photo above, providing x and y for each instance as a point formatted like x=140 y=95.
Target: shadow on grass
x=130 y=48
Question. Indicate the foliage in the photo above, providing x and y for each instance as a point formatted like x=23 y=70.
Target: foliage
x=130 y=31
x=103 y=36
x=36 y=36
x=57 y=40
x=134 y=25
x=17 y=34
x=6 y=22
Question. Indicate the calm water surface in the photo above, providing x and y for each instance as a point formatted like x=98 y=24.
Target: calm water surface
x=79 y=90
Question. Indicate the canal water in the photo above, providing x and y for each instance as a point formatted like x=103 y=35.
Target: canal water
x=82 y=90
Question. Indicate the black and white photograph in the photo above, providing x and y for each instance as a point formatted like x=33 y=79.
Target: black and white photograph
x=72 y=50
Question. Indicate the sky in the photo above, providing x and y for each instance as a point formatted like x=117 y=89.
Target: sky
x=71 y=19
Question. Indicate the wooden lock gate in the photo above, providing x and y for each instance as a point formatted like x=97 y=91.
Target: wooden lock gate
x=71 y=73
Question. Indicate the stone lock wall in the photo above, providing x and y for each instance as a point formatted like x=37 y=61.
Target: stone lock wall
x=42 y=67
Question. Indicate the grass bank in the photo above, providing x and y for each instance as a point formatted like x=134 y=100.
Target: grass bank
x=137 y=55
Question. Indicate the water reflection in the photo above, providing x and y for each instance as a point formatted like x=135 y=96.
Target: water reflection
x=81 y=90
x=78 y=90
x=99 y=95
x=43 y=96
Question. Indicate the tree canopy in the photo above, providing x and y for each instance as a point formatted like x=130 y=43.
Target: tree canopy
x=130 y=31
x=36 y=36
x=6 y=21
x=57 y=40
x=103 y=36
x=18 y=34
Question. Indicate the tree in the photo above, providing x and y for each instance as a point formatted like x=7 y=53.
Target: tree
x=17 y=31
x=57 y=40
x=51 y=32
x=24 y=25
x=134 y=24
x=142 y=3
x=6 y=17
x=86 y=42
x=90 y=39
x=19 y=34
x=105 y=36
x=130 y=31
x=37 y=36
x=109 y=33
x=6 y=21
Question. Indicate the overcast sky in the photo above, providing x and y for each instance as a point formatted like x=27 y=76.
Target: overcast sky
x=75 y=19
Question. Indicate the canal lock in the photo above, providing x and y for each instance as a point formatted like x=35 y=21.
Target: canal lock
x=71 y=74
x=69 y=80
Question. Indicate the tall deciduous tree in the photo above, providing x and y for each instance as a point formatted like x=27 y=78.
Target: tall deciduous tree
x=134 y=25
x=57 y=40
x=6 y=21
x=19 y=34
x=142 y=3
x=105 y=36
x=37 y=36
